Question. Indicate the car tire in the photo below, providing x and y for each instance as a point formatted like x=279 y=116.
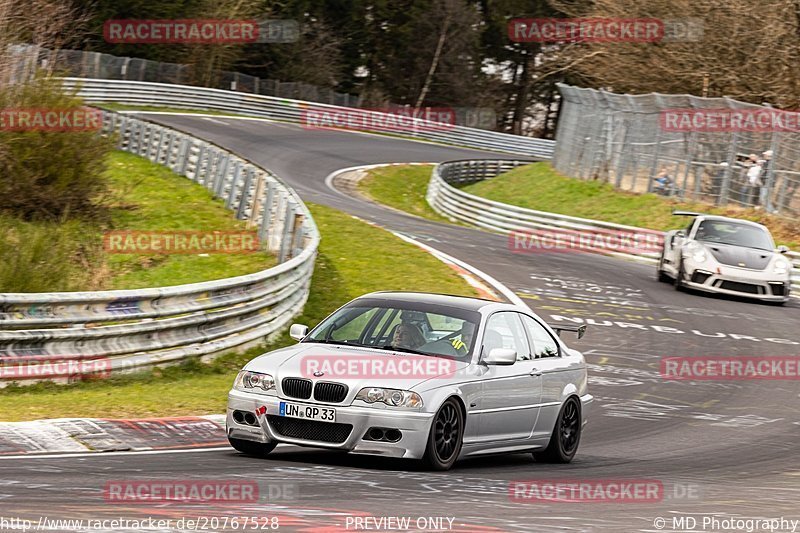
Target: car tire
x=445 y=437
x=249 y=447
x=678 y=282
x=660 y=274
x=566 y=435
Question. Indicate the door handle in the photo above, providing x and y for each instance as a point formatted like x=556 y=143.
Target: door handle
x=536 y=372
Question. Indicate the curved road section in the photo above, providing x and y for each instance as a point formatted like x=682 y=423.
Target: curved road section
x=719 y=452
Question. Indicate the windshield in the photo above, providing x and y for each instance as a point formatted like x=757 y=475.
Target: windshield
x=413 y=327
x=724 y=232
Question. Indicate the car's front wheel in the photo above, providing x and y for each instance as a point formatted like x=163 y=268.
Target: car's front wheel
x=445 y=437
x=249 y=447
x=678 y=283
x=566 y=435
x=660 y=274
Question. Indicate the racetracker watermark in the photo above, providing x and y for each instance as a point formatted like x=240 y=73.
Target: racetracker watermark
x=200 y=31
x=24 y=368
x=601 y=241
x=180 y=242
x=184 y=491
x=391 y=119
x=586 y=491
x=376 y=366
x=76 y=119
x=729 y=120
x=730 y=368
x=633 y=30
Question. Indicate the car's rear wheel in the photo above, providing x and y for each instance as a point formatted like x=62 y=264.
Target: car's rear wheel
x=566 y=435
x=249 y=447
x=445 y=437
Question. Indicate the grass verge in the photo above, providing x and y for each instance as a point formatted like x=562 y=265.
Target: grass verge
x=402 y=187
x=114 y=106
x=354 y=258
x=539 y=186
x=143 y=196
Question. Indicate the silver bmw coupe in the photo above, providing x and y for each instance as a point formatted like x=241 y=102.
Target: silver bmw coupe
x=419 y=376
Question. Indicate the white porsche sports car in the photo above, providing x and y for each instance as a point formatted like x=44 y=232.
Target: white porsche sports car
x=418 y=376
x=727 y=256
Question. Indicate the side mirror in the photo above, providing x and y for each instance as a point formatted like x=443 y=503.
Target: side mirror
x=298 y=331
x=677 y=235
x=782 y=249
x=501 y=356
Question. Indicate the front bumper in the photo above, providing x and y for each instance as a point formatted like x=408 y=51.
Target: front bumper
x=739 y=282
x=414 y=426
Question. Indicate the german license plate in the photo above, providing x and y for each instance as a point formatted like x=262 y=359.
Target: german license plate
x=308 y=412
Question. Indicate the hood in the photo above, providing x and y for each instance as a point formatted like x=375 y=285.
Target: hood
x=299 y=360
x=739 y=257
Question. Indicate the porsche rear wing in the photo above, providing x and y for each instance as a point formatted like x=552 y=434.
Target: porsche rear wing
x=687 y=214
x=580 y=330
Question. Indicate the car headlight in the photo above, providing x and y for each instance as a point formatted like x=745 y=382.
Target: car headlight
x=698 y=252
x=781 y=266
x=254 y=382
x=393 y=397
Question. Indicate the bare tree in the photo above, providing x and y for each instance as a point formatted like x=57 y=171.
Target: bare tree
x=49 y=24
x=749 y=50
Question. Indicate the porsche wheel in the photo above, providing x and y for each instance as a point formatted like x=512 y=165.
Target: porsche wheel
x=660 y=274
x=678 y=282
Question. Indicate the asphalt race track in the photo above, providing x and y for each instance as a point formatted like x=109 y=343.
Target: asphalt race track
x=727 y=449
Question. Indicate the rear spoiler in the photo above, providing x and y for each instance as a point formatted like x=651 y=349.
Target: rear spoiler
x=580 y=330
x=687 y=214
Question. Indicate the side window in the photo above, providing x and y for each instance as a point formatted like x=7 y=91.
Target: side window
x=689 y=227
x=544 y=345
x=504 y=330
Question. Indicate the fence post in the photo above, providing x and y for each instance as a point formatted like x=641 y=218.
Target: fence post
x=726 y=178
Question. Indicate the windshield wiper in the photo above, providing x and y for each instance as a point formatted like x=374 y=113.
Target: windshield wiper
x=339 y=343
x=400 y=349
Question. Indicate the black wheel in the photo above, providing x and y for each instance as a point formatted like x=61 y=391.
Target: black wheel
x=678 y=282
x=566 y=435
x=444 y=440
x=249 y=447
x=660 y=274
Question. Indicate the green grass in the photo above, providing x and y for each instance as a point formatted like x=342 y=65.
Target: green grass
x=115 y=106
x=402 y=187
x=149 y=197
x=539 y=186
x=142 y=196
x=354 y=258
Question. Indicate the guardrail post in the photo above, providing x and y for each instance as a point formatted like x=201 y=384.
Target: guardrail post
x=159 y=144
x=200 y=166
x=237 y=176
x=288 y=229
x=182 y=161
x=245 y=194
x=266 y=216
x=222 y=173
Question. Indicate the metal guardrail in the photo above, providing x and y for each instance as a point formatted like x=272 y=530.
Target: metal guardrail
x=98 y=91
x=60 y=335
x=451 y=202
